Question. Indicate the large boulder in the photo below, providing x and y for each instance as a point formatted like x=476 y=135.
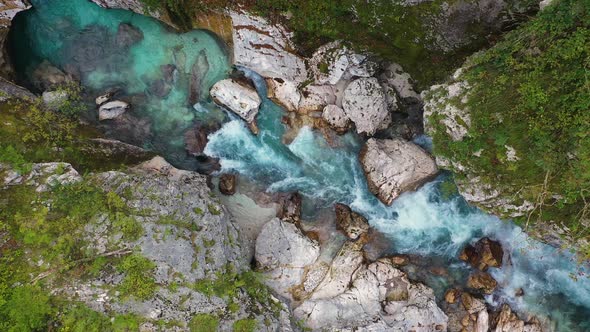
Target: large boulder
x=336 y=118
x=395 y=166
x=377 y=297
x=238 y=98
x=365 y=103
x=283 y=252
x=266 y=48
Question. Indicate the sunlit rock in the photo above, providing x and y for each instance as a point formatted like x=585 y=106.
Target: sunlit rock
x=238 y=98
x=395 y=166
x=365 y=104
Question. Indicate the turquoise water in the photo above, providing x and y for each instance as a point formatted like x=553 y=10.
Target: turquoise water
x=80 y=37
x=423 y=222
x=77 y=34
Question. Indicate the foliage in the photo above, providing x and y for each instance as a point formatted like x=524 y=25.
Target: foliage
x=79 y=318
x=139 y=281
x=27 y=310
x=204 y=323
x=245 y=325
x=531 y=92
x=9 y=155
x=71 y=105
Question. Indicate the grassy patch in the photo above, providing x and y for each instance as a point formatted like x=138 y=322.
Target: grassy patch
x=139 y=281
x=245 y=325
x=204 y=323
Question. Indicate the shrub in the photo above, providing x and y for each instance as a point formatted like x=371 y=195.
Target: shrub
x=139 y=281
x=204 y=323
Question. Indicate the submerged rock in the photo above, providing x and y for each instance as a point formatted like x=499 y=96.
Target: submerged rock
x=227 y=184
x=112 y=110
x=365 y=105
x=238 y=98
x=128 y=35
x=196 y=138
x=393 y=167
x=351 y=223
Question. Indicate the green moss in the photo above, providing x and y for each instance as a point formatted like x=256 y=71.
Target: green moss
x=204 y=323
x=214 y=210
x=198 y=211
x=245 y=325
x=530 y=92
x=139 y=281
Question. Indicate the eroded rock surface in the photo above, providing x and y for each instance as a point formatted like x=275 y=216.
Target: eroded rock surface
x=238 y=98
x=365 y=104
x=395 y=166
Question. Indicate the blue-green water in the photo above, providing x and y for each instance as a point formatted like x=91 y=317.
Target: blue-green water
x=81 y=38
x=77 y=34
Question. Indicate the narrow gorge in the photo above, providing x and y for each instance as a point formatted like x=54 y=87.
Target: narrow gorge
x=247 y=175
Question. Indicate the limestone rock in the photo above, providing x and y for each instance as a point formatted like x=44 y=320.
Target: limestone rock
x=316 y=97
x=486 y=253
x=283 y=252
x=364 y=102
x=265 y=48
x=482 y=281
x=284 y=93
x=42 y=176
x=334 y=62
x=227 y=184
x=378 y=298
x=238 y=98
x=395 y=166
x=351 y=223
x=336 y=118
x=112 y=110
x=443 y=100
x=395 y=80
x=8 y=10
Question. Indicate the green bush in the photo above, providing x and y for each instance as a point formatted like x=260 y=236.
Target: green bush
x=9 y=155
x=245 y=325
x=27 y=309
x=139 y=281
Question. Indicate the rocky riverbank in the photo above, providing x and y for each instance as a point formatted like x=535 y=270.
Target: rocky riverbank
x=171 y=256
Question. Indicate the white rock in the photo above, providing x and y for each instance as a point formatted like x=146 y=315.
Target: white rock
x=336 y=118
x=240 y=99
x=266 y=48
x=42 y=175
x=345 y=264
x=284 y=93
x=543 y=4
x=395 y=78
x=334 y=62
x=283 y=252
x=395 y=166
x=103 y=99
x=316 y=97
x=365 y=104
x=9 y=9
x=112 y=110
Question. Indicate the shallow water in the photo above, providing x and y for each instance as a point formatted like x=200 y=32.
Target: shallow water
x=429 y=222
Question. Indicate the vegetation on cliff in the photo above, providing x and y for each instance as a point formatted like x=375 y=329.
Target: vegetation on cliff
x=531 y=93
